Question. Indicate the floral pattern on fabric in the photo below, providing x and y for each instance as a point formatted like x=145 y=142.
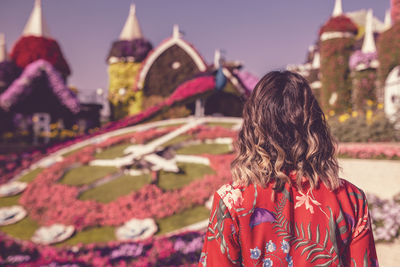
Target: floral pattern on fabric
x=303 y=228
x=307 y=200
x=231 y=197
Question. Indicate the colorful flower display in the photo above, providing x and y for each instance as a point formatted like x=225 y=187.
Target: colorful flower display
x=63 y=206
x=247 y=79
x=385 y=215
x=336 y=84
x=29 y=49
x=124 y=99
x=388 y=47
x=359 y=57
x=23 y=86
x=339 y=24
x=177 y=250
x=134 y=51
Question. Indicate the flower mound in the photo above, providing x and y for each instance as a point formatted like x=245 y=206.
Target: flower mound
x=31 y=48
x=339 y=24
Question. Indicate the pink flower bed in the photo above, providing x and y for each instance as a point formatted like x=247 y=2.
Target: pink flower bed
x=49 y=202
x=370 y=150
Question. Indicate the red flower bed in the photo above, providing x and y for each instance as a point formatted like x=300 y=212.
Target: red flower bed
x=31 y=48
x=339 y=24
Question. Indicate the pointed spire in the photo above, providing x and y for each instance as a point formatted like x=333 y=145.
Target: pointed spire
x=217 y=58
x=36 y=24
x=338 y=10
x=369 y=41
x=175 y=32
x=388 y=20
x=3 y=50
x=131 y=28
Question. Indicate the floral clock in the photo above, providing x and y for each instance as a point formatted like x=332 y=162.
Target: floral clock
x=150 y=149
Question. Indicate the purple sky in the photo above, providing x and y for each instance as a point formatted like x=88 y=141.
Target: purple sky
x=264 y=35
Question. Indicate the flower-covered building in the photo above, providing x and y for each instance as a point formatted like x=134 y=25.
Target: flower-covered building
x=141 y=77
x=33 y=84
x=348 y=67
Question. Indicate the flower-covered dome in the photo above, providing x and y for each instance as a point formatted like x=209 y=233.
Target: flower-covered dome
x=129 y=50
x=36 y=43
x=339 y=24
x=131 y=46
x=31 y=48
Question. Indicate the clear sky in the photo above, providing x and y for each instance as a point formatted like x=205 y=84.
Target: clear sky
x=263 y=34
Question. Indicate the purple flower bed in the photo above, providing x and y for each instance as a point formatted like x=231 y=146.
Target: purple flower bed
x=359 y=57
x=138 y=49
x=177 y=250
x=248 y=80
x=385 y=215
x=21 y=87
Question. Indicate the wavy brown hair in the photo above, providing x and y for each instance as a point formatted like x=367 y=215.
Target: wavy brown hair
x=284 y=130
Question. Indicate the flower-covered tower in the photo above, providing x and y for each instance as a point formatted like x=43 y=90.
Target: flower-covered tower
x=363 y=64
x=388 y=47
x=395 y=10
x=337 y=37
x=125 y=60
x=36 y=43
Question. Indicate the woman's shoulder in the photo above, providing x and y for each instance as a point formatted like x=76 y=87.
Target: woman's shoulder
x=349 y=188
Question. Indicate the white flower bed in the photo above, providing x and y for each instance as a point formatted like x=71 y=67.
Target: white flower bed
x=12 y=188
x=137 y=229
x=10 y=215
x=53 y=234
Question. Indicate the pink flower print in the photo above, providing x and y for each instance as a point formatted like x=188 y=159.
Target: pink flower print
x=231 y=197
x=306 y=199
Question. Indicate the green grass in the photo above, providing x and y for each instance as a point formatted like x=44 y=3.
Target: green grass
x=214 y=149
x=91 y=235
x=189 y=172
x=228 y=125
x=177 y=140
x=30 y=175
x=116 y=188
x=9 y=201
x=86 y=175
x=180 y=220
x=170 y=125
x=112 y=152
x=23 y=229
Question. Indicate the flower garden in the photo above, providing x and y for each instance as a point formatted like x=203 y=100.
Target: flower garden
x=134 y=196
x=132 y=213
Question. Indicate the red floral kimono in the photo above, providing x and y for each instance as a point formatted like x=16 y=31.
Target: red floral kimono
x=300 y=228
